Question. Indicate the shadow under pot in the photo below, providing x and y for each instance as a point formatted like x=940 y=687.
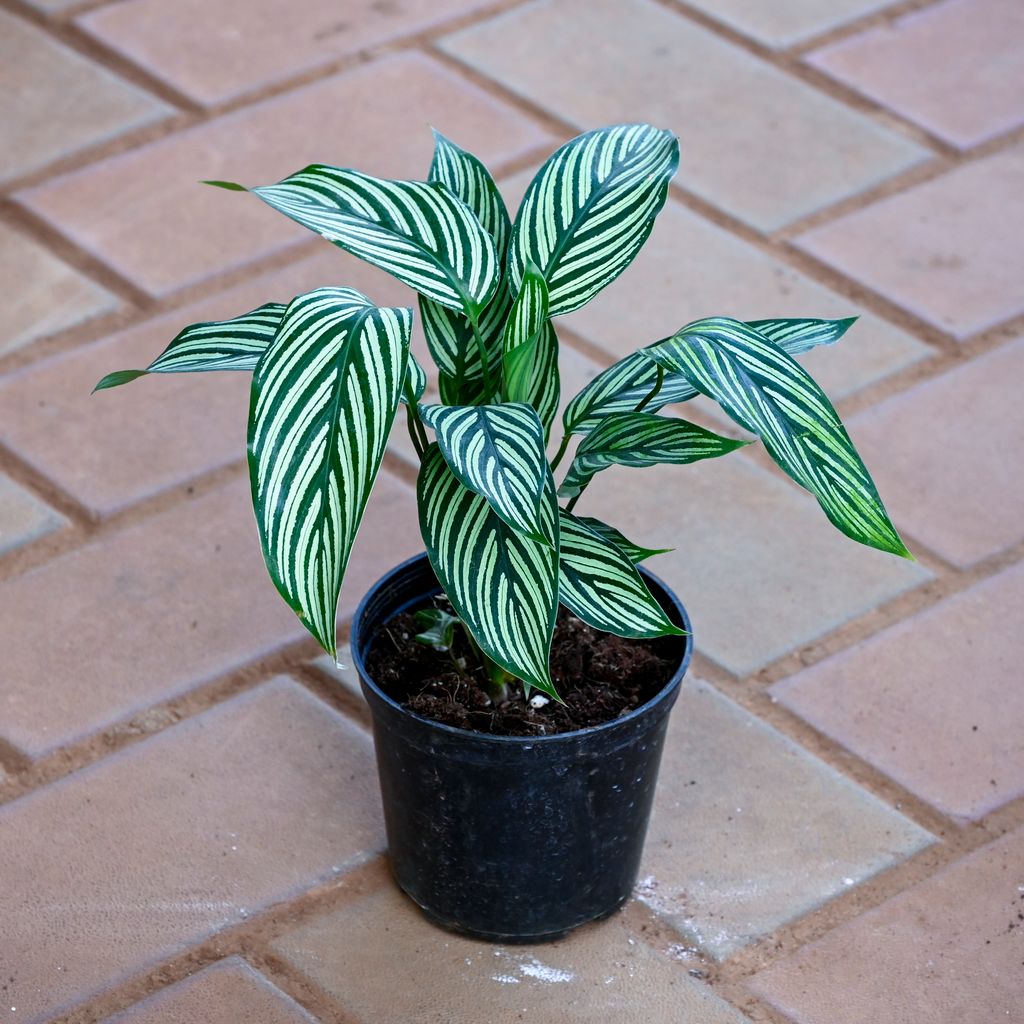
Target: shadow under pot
x=510 y=838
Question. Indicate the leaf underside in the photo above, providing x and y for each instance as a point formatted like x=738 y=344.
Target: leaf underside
x=641 y=439
x=623 y=385
x=235 y=344
x=768 y=393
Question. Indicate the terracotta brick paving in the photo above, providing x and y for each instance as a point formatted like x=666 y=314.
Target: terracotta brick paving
x=189 y=827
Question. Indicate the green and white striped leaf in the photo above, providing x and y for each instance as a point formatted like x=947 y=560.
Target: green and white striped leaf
x=626 y=383
x=454 y=348
x=634 y=552
x=415 y=383
x=641 y=439
x=497 y=451
x=450 y=335
x=767 y=392
x=324 y=396
x=466 y=177
x=501 y=583
x=420 y=233
x=798 y=336
x=621 y=388
x=530 y=345
x=600 y=584
x=235 y=344
x=590 y=209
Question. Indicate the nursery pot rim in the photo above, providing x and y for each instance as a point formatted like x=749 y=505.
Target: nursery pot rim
x=666 y=690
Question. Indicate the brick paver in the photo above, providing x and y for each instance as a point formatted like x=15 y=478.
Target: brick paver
x=135 y=859
x=599 y=973
x=23 y=517
x=144 y=862
x=939 y=454
x=673 y=73
x=375 y=118
x=756 y=563
x=956 y=742
x=42 y=76
x=690 y=269
x=161 y=607
x=926 y=66
x=214 y=52
x=749 y=831
x=947 y=950
x=142 y=616
x=785 y=22
x=163 y=430
x=226 y=993
x=942 y=249
x=44 y=294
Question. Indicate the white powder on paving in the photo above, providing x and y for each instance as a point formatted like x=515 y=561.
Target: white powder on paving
x=535 y=969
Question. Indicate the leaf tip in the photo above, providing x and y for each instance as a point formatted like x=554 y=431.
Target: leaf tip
x=230 y=186
x=117 y=378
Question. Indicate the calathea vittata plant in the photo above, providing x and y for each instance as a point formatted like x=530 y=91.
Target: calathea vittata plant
x=331 y=369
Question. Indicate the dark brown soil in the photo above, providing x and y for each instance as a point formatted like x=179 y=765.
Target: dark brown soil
x=599 y=676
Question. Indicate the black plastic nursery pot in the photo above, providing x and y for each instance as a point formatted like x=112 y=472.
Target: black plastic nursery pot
x=510 y=838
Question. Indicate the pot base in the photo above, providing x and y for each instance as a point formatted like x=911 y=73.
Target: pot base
x=512 y=839
x=513 y=939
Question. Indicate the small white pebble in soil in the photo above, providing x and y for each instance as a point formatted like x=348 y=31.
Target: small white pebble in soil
x=538 y=701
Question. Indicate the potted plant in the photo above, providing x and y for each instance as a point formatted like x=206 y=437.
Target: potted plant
x=505 y=836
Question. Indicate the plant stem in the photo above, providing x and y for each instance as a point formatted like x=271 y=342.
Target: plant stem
x=561 y=451
x=575 y=498
x=416 y=432
x=653 y=392
x=484 y=361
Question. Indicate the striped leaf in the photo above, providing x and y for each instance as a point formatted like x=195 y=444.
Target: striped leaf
x=641 y=439
x=621 y=388
x=634 y=552
x=466 y=177
x=767 y=392
x=419 y=232
x=235 y=344
x=502 y=584
x=530 y=345
x=626 y=383
x=450 y=335
x=590 y=209
x=454 y=347
x=497 y=451
x=415 y=382
x=324 y=396
x=797 y=336
x=600 y=584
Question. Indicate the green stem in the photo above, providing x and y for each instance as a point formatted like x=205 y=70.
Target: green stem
x=497 y=678
x=561 y=451
x=484 y=361
x=653 y=392
x=412 y=421
x=575 y=498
